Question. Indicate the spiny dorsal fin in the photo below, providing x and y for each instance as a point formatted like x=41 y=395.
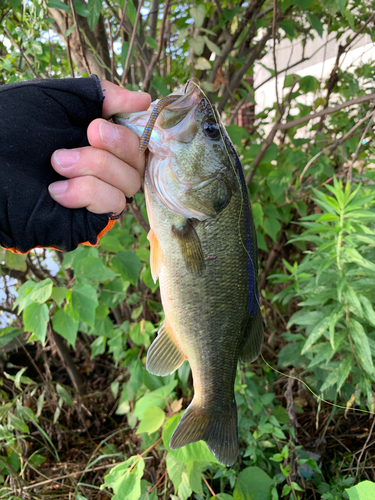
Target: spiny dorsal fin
x=253 y=338
x=164 y=356
x=219 y=432
x=190 y=245
x=155 y=255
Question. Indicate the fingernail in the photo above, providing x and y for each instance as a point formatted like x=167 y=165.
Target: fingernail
x=108 y=132
x=66 y=157
x=58 y=188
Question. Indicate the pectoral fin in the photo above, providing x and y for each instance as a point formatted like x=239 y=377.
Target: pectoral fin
x=164 y=356
x=155 y=255
x=190 y=245
x=253 y=338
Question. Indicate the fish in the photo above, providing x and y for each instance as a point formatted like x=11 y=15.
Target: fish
x=203 y=250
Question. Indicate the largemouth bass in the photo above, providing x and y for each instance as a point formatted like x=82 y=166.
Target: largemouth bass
x=204 y=252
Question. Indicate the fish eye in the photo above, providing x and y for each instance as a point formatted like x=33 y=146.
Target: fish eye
x=211 y=129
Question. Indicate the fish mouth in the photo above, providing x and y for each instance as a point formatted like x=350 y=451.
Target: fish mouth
x=175 y=122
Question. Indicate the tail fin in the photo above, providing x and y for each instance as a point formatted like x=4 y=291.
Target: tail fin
x=219 y=432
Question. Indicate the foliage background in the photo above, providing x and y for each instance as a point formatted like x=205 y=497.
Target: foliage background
x=80 y=416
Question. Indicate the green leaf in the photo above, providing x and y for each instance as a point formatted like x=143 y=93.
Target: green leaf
x=94 y=8
x=368 y=310
x=18 y=423
x=362 y=491
x=342 y=5
x=279 y=181
x=316 y=333
x=128 y=265
x=257 y=214
x=65 y=325
x=344 y=369
x=152 y=43
x=70 y=30
x=84 y=302
x=160 y=85
x=81 y=9
x=288 y=27
x=194 y=472
x=272 y=227
x=8 y=334
x=198 y=13
x=315 y=23
x=93 y=269
x=63 y=393
x=154 y=398
x=153 y=418
x=58 y=294
x=195 y=451
x=57 y=4
x=361 y=346
x=253 y=484
x=35 y=319
x=202 y=64
x=15 y=261
x=42 y=291
x=350 y=18
x=309 y=84
x=111 y=244
x=125 y=479
x=236 y=134
x=184 y=490
x=212 y=46
x=197 y=44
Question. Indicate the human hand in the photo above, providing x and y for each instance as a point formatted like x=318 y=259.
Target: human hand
x=102 y=174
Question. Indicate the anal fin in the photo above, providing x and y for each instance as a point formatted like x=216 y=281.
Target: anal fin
x=190 y=245
x=164 y=356
x=155 y=255
x=253 y=338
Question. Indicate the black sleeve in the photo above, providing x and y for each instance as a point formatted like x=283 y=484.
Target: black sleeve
x=36 y=118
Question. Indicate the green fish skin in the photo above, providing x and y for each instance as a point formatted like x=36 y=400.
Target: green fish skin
x=204 y=252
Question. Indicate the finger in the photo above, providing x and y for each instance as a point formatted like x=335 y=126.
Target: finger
x=120 y=100
x=97 y=196
x=92 y=162
x=118 y=140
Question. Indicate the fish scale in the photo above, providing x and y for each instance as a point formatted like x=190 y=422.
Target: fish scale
x=206 y=264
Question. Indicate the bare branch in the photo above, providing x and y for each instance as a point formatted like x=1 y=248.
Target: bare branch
x=156 y=56
x=274 y=53
x=326 y=111
x=355 y=156
x=337 y=143
x=112 y=53
x=68 y=49
x=237 y=77
x=75 y=17
x=121 y=20
x=124 y=75
x=219 y=61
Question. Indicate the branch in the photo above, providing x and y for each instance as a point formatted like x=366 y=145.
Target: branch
x=75 y=17
x=69 y=364
x=333 y=78
x=138 y=215
x=355 y=156
x=237 y=77
x=336 y=143
x=267 y=143
x=124 y=75
x=156 y=56
x=326 y=111
x=219 y=61
x=68 y=49
x=274 y=52
x=27 y=61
